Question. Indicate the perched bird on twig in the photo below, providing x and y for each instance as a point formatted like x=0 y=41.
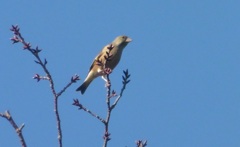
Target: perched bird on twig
x=109 y=57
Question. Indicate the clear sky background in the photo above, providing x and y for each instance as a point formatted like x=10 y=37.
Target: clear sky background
x=184 y=63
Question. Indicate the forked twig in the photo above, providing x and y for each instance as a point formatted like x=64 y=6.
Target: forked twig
x=18 y=130
x=43 y=63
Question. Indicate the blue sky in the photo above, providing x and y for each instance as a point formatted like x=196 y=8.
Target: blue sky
x=184 y=63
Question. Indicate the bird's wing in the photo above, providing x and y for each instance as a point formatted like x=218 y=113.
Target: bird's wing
x=97 y=58
x=100 y=57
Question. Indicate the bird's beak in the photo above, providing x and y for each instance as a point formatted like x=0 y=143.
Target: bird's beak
x=128 y=39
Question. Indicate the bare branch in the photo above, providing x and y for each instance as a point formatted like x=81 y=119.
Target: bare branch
x=35 y=52
x=43 y=63
x=125 y=82
x=74 y=79
x=111 y=107
x=18 y=130
x=141 y=143
x=80 y=106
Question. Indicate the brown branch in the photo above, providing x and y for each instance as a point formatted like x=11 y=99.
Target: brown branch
x=35 y=52
x=125 y=82
x=106 y=136
x=81 y=107
x=110 y=107
x=18 y=130
x=74 y=79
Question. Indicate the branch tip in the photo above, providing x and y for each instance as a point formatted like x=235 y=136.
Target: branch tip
x=141 y=143
x=75 y=78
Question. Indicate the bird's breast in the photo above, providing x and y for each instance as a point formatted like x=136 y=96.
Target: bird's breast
x=114 y=60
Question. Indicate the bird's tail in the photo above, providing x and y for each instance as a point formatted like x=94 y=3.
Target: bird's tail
x=84 y=86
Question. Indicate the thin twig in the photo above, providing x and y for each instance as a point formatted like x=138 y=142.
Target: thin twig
x=18 y=38
x=106 y=136
x=118 y=98
x=81 y=107
x=74 y=79
x=111 y=107
x=141 y=143
x=18 y=130
x=35 y=52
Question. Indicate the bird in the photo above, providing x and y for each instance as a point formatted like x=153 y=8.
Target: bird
x=114 y=52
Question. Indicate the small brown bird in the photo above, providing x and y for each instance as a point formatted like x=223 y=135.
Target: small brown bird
x=115 y=55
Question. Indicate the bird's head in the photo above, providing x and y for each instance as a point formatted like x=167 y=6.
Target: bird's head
x=122 y=40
